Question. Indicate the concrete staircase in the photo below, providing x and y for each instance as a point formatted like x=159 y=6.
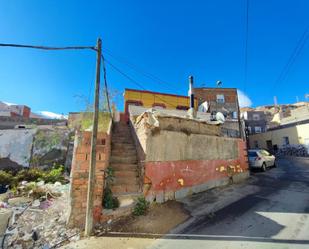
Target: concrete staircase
x=124 y=162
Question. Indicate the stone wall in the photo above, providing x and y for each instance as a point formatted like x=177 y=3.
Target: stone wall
x=11 y=122
x=80 y=173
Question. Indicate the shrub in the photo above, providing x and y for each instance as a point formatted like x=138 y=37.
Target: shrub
x=5 y=178
x=109 y=201
x=141 y=206
x=54 y=175
x=109 y=176
x=36 y=174
x=29 y=175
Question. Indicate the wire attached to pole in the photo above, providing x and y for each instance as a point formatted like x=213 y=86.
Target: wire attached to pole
x=47 y=47
x=106 y=86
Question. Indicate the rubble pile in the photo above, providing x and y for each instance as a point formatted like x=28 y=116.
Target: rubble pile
x=39 y=214
x=293 y=150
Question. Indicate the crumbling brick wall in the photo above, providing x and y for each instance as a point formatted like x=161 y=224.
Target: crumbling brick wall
x=80 y=172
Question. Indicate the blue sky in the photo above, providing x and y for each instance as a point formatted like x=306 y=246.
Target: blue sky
x=169 y=39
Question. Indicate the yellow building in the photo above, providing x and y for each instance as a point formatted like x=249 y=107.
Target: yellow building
x=297 y=133
x=154 y=99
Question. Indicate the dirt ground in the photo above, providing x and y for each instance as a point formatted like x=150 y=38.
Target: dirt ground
x=160 y=219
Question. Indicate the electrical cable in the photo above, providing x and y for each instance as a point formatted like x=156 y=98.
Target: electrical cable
x=106 y=86
x=246 y=45
x=47 y=47
x=295 y=53
x=136 y=83
x=142 y=72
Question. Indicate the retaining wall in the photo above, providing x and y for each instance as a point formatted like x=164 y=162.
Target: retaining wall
x=180 y=160
x=170 y=180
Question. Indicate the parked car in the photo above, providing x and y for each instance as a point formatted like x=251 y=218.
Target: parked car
x=261 y=159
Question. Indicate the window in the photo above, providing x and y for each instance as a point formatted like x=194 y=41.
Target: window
x=286 y=141
x=181 y=107
x=256 y=144
x=257 y=129
x=256 y=116
x=252 y=154
x=220 y=98
x=159 y=106
x=235 y=116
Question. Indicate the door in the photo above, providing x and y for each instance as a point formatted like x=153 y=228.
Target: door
x=269 y=145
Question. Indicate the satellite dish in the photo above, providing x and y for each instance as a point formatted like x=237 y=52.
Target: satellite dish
x=219 y=83
x=220 y=117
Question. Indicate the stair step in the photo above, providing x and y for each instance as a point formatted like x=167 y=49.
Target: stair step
x=123 y=145
x=124 y=159
x=123 y=154
x=121 y=133
x=122 y=142
x=121 y=138
x=123 y=166
x=127 y=199
x=125 y=181
x=116 y=189
x=121 y=150
x=125 y=174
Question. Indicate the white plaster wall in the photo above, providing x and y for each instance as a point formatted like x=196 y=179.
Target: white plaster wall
x=16 y=145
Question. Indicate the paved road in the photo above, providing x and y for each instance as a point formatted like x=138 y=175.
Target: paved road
x=274 y=215
x=270 y=210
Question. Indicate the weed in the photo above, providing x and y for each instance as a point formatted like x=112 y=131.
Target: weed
x=5 y=178
x=141 y=206
x=29 y=175
x=109 y=201
x=54 y=175
x=109 y=176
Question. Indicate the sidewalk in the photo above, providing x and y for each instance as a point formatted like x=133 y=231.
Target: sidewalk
x=202 y=204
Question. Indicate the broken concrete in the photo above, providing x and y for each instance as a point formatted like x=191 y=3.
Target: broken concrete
x=38 y=223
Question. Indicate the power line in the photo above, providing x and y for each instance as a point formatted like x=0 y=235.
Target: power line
x=47 y=47
x=295 y=53
x=106 y=86
x=246 y=45
x=142 y=72
x=135 y=82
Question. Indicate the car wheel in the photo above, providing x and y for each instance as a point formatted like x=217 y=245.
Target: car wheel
x=263 y=167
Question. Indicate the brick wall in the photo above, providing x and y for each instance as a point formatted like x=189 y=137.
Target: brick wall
x=79 y=176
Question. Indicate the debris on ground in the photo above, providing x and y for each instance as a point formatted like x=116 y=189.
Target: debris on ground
x=293 y=150
x=159 y=219
x=38 y=213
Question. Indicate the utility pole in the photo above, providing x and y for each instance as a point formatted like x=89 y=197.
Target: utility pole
x=191 y=96
x=92 y=163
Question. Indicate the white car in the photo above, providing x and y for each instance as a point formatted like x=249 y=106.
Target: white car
x=261 y=159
